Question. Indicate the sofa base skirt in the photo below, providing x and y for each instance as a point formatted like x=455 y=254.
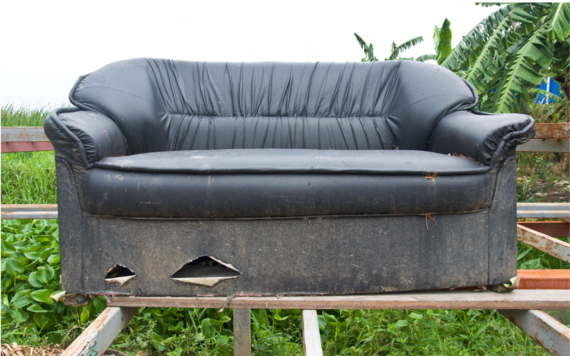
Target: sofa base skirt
x=327 y=255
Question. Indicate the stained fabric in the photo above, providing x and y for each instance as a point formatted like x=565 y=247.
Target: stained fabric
x=163 y=105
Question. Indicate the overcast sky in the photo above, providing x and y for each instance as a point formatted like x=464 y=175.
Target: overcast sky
x=47 y=45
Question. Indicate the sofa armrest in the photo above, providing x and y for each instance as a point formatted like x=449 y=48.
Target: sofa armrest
x=84 y=137
x=480 y=136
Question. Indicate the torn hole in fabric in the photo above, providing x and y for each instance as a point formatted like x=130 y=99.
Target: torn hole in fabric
x=205 y=271
x=120 y=275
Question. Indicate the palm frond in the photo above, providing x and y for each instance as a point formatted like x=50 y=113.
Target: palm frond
x=560 y=22
x=532 y=56
x=427 y=57
x=458 y=59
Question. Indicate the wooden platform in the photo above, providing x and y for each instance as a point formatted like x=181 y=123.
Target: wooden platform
x=518 y=299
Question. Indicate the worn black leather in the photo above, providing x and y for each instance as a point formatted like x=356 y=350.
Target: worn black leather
x=284 y=183
x=164 y=105
x=84 y=137
x=279 y=139
x=178 y=195
x=295 y=161
x=480 y=136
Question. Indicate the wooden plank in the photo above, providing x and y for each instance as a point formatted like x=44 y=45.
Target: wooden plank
x=100 y=334
x=545 y=243
x=458 y=299
x=544 y=279
x=242 y=332
x=550 y=228
x=543 y=206
x=543 y=214
x=24 y=134
x=311 y=334
x=556 y=131
x=28 y=211
x=8 y=147
x=524 y=210
x=545 y=146
x=28 y=207
x=544 y=329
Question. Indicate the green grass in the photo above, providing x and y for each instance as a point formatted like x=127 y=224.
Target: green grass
x=23 y=116
x=30 y=273
x=28 y=178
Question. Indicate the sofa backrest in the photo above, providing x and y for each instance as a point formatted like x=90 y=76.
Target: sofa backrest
x=163 y=105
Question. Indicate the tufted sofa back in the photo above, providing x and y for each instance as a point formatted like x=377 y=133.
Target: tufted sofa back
x=165 y=105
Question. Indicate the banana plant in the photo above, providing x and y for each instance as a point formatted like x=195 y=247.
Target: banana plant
x=395 y=50
x=442 y=44
x=513 y=50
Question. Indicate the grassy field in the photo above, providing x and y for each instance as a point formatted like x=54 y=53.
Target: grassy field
x=30 y=275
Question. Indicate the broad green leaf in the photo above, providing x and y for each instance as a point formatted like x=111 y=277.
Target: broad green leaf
x=33 y=255
x=36 y=308
x=54 y=259
x=20 y=316
x=40 y=320
x=21 y=300
x=32 y=279
x=416 y=316
x=330 y=319
x=42 y=295
x=443 y=47
x=399 y=324
x=560 y=22
x=6 y=248
x=84 y=316
x=222 y=340
x=45 y=274
x=13 y=266
x=207 y=328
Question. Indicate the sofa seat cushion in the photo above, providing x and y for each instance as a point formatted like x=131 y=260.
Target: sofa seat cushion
x=283 y=183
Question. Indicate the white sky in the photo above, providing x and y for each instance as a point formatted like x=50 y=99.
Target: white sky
x=47 y=45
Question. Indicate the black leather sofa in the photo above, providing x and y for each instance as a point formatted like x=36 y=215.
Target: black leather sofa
x=191 y=178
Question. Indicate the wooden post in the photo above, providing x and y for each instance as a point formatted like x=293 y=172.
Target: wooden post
x=242 y=332
x=100 y=334
x=311 y=334
x=545 y=243
x=544 y=329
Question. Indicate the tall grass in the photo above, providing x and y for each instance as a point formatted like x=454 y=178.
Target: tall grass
x=29 y=178
x=23 y=116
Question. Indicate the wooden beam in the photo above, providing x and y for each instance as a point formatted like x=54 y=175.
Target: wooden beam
x=100 y=334
x=543 y=210
x=545 y=146
x=550 y=228
x=242 y=332
x=29 y=211
x=545 y=243
x=524 y=210
x=24 y=134
x=543 y=206
x=544 y=329
x=311 y=334
x=459 y=299
x=8 y=147
x=558 y=131
x=544 y=279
